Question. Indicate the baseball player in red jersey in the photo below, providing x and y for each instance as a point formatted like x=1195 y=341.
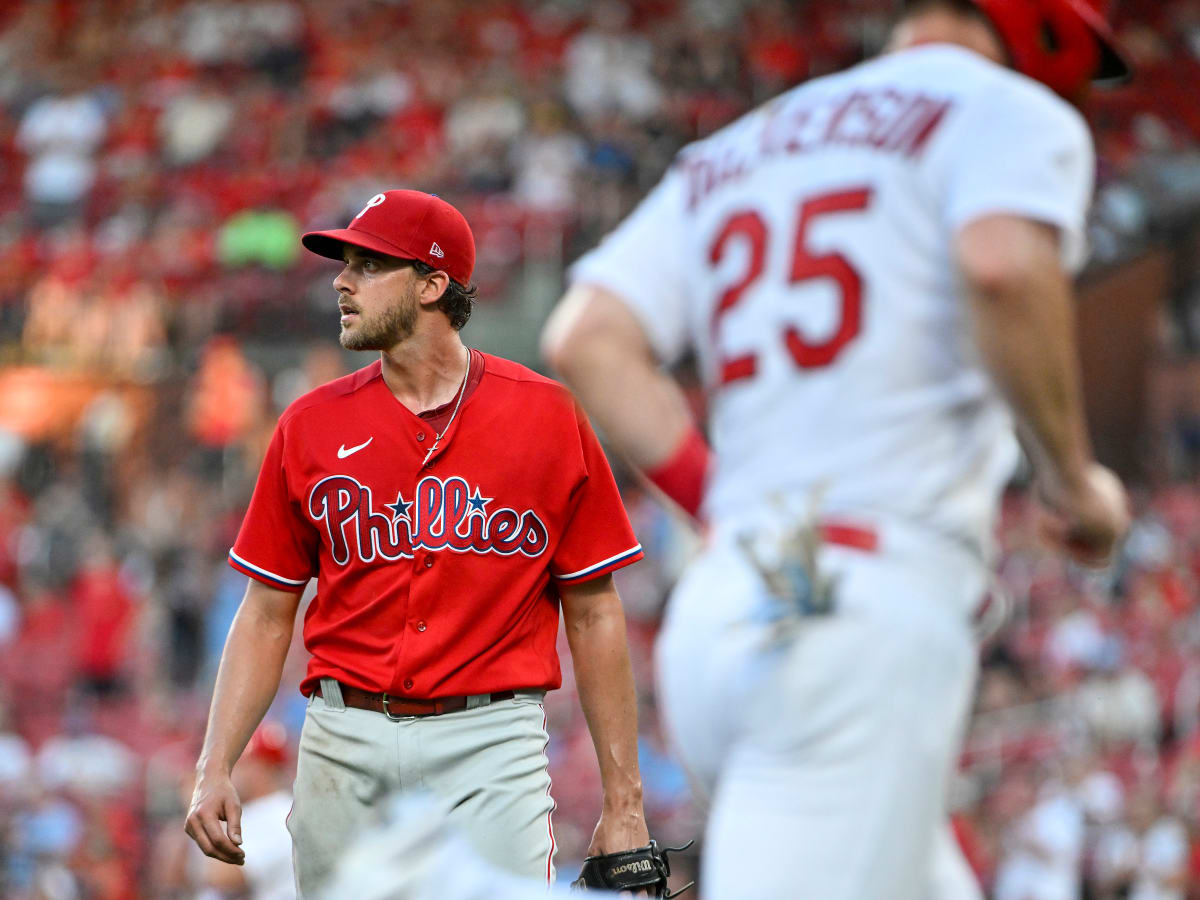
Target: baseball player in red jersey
x=447 y=501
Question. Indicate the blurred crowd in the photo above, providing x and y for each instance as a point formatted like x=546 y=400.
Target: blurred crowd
x=157 y=163
x=1081 y=776
x=158 y=159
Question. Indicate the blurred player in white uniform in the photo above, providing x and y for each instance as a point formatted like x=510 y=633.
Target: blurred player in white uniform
x=873 y=272
x=262 y=777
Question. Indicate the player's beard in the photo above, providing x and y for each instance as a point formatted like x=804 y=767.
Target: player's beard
x=393 y=325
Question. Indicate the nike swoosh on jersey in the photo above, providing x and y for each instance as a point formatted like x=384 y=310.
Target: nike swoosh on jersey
x=343 y=451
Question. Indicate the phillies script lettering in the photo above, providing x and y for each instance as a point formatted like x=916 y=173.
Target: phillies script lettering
x=442 y=515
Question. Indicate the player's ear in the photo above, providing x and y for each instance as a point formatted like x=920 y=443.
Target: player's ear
x=435 y=284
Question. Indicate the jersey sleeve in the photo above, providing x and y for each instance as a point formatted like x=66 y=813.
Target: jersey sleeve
x=642 y=262
x=276 y=544
x=597 y=538
x=1020 y=150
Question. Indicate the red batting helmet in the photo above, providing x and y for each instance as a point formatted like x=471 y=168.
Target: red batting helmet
x=1065 y=44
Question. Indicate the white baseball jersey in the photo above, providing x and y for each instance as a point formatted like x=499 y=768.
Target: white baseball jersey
x=805 y=253
x=268 y=847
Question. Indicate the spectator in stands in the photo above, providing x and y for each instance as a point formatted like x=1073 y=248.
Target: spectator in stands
x=609 y=66
x=1145 y=858
x=547 y=160
x=1119 y=703
x=1044 y=855
x=60 y=134
x=195 y=121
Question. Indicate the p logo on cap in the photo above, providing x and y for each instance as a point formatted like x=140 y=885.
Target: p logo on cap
x=409 y=225
x=374 y=201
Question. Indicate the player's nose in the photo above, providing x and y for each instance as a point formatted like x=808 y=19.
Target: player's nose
x=344 y=283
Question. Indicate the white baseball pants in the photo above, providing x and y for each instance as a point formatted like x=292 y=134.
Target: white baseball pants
x=827 y=758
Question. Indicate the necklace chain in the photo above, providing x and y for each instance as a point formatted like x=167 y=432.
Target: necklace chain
x=462 y=389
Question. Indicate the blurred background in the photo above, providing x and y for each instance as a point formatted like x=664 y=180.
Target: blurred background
x=158 y=160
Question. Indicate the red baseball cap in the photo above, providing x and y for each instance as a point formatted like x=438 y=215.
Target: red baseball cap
x=407 y=224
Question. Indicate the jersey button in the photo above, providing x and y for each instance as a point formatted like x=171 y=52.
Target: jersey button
x=408 y=683
x=429 y=562
x=420 y=435
x=420 y=626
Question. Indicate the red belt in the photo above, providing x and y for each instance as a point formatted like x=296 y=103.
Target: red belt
x=856 y=537
x=399 y=707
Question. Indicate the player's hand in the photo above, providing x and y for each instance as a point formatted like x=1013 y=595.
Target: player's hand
x=1088 y=520
x=214 y=820
x=620 y=830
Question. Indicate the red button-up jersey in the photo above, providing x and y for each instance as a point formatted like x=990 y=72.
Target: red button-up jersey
x=434 y=579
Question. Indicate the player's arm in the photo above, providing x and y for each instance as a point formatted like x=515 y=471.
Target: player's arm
x=595 y=626
x=247 y=679
x=599 y=347
x=1021 y=309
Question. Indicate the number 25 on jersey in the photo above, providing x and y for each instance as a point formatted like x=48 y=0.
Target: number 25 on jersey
x=749 y=226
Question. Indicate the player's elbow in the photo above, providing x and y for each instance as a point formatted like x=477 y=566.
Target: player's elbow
x=560 y=343
x=582 y=333
x=1002 y=255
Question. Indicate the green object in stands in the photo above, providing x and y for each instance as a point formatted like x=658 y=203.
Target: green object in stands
x=267 y=237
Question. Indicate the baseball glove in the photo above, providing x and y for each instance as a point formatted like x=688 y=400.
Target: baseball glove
x=644 y=869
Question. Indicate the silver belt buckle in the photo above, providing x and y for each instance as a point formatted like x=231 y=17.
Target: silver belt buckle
x=387 y=712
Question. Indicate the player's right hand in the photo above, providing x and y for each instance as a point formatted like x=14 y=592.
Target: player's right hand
x=1087 y=521
x=214 y=820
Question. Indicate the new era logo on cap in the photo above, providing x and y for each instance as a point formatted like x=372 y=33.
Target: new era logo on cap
x=409 y=225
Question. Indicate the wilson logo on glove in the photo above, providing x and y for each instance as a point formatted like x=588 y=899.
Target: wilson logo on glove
x=645 y=868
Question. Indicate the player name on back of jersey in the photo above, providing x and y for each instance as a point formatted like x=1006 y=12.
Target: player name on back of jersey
x=886 y=119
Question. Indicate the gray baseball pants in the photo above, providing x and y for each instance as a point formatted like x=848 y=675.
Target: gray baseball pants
x=487 y=765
